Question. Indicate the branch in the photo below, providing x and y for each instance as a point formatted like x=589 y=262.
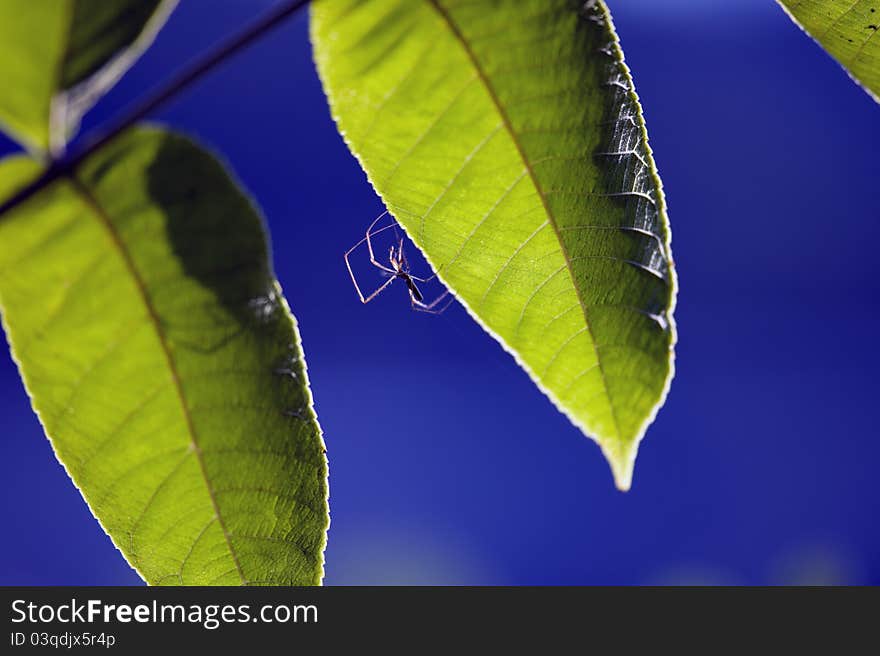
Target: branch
x=187 y=76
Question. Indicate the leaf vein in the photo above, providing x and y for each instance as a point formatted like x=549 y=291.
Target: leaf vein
x=119 y=244
x=514 y=137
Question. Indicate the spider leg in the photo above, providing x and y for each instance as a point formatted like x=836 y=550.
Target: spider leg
x=401 y=255
x=354 y=279
x=377 y=292
x=420 y=306
x=370 y=248
x=372 y=233
x=428 y=279
x=417 y=279
x=376 y=220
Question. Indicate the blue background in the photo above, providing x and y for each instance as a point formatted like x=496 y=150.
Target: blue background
x=446 y=464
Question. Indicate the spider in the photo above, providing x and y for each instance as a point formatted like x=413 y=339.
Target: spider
x=399 y=269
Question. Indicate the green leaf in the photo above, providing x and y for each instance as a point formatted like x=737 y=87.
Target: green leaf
x=57 y=57
x=847 y=30
x=508 y=141
x=164 y=363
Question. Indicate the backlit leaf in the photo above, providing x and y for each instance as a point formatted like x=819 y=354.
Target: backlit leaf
x=847 y=30
x=164 y=363
x=507 y=139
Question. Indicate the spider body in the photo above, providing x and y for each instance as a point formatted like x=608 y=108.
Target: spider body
x=398 y=269
x=401 y=270
x=413 y=290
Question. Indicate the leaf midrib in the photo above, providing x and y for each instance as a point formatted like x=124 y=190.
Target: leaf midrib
x=496 y=101
x=116 y=239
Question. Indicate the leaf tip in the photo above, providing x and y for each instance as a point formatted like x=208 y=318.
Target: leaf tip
x=622 y=460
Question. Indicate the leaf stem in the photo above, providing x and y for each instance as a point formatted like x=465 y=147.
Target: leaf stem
x=179 y=82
